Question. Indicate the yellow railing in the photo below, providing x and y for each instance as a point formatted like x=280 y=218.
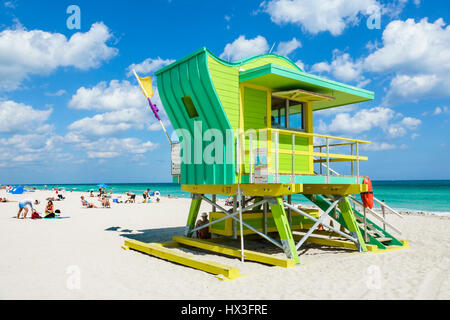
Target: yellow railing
x=270 y=138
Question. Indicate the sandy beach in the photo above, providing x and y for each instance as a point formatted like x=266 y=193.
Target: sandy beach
x=39 y=259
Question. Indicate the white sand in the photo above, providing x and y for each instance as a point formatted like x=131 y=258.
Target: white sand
x=39 y=259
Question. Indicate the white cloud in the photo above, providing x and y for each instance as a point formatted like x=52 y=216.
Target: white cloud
x=10 y=4
x=342 y=67
x=419 y=56
x=415 y=55
x=18 y=117
x=27 y=52
x=148 y=66
x=125 y=105
x=58 y=93
x=394 y=125
x=441 y=110
x=378 y=146
x=112 y=122
x=411 y=123
x=32 y=147
x=113 y=96
x=114 y=147
x=363 y=120
x=287 y=47
x=243 y=48
x=319 y=15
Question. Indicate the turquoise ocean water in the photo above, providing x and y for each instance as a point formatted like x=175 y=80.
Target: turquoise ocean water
x=424 y=195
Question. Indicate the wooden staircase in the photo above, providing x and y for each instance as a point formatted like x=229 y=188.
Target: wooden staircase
x=375 y=234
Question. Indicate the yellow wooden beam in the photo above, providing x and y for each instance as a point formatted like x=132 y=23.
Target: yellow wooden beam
x=327 y=242
x=167 y=244
x=375 y=249
x=230 y=251
x=268 y=189
x=334 y=189
x=183 y=258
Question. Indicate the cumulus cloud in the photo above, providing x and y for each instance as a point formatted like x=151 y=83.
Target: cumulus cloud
x=32 y=147
x=415 y=55
x=342 y=67
x=125 y=108
x=112 y=122
x=319 y=15
x=243 y=48
x=114 y=95
x=441 y=110
x=418 y=55
x=287 y=47
x=18 y=117
x=378 y=146
x=29 y=52
x=114 y=147
x=58 y=93
x=393 y=124
x=148 y=66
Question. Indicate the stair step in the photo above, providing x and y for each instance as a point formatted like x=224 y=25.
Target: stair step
x=384 y=239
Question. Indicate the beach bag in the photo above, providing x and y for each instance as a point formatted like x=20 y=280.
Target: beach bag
x=35 y=215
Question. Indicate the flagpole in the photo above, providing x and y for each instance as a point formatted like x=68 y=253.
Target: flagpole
x=152 y=106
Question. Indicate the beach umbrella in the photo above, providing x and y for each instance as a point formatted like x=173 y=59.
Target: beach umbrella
x=102 y=185
x=17 y=190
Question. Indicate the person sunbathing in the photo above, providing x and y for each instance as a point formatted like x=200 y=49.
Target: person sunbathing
x=86 y=204
x=6 y=200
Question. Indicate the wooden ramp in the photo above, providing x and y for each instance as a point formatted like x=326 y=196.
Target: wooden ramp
x=230 y=251
x=161 y=250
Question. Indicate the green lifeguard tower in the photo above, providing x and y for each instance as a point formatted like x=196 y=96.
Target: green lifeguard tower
x=246 y=131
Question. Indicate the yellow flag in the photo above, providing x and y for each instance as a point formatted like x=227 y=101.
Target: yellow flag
x=146 y=84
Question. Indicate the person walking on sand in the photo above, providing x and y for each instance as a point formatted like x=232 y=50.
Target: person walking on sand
x=23 y=206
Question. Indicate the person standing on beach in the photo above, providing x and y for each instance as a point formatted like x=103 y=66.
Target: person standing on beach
x=145 y=195
x=23 y=206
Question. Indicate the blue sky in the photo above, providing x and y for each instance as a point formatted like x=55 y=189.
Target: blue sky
x=71 y=113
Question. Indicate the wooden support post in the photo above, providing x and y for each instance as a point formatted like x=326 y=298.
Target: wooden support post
x=365 y=225
x=290 y=211
x=282 y=223
x=235 y=204
x=265 y=218
x=193 y=213
x=214 y=200
x=350 y=221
